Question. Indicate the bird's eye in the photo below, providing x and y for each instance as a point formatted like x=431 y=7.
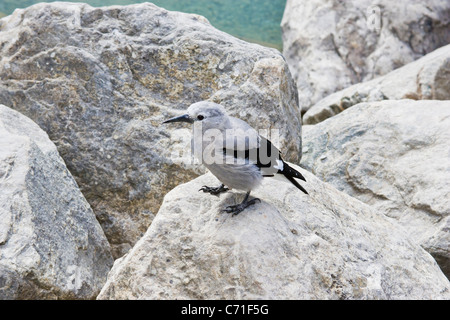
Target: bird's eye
x=200 y=117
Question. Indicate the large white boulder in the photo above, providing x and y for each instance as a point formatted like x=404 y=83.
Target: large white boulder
x=327 y=245
x=51 y=245
x=427 y=78
x=395 y=156
x=332 y=44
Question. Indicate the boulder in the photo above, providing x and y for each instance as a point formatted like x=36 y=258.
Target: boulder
x=395 y=156
x=100 y=81
x=426 y=78
x=325 y=245
x=51 y=245
x=330 y=45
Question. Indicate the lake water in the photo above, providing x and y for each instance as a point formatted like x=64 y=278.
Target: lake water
x=251 y=20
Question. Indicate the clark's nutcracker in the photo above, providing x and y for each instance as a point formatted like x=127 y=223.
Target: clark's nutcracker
x=237 y=155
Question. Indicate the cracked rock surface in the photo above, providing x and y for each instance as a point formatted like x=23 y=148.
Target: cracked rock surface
x=327 y=245
x=330 y=45
x=427 y=78
x=393 y=155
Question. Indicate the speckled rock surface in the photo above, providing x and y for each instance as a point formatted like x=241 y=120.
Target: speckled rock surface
x=327 y=245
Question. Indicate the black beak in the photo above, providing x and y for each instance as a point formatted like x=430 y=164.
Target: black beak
x=183 y=118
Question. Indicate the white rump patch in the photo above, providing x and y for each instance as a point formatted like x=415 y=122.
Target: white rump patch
x=279 y=165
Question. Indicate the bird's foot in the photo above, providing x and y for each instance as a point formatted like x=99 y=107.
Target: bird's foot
x=214 y=190
x=236 y=209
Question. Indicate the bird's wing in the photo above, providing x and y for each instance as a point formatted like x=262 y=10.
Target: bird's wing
x=262 y=154
x=240 y=136
x=265 y=156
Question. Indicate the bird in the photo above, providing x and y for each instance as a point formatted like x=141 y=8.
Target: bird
x=237 y=155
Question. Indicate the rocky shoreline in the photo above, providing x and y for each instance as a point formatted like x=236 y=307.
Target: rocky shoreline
x=96 y=203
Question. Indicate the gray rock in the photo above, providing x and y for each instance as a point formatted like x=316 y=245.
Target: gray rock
x=51 y=245
x=330 y=45
x=100 y=81
x=327 y=245
x=393 y=155
x=426 y=78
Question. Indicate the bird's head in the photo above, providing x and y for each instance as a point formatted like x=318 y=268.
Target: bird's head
x=209 y=113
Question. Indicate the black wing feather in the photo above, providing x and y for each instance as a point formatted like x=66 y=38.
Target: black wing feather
x=264 y=157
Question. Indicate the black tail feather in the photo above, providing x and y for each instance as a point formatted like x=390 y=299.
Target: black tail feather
x=290 y=173
x=295 y=183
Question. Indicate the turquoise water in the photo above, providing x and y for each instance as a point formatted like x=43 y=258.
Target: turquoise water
x=251 y=20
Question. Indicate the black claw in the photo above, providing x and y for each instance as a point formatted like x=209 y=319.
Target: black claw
x=238 y=208
x=214 y=190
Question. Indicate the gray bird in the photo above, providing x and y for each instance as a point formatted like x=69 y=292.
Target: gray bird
x=237 y=155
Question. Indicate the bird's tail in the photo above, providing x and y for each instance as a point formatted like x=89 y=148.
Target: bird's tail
x=290 y=173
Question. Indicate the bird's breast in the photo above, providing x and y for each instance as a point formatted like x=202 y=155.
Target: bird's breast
x=242 y=175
